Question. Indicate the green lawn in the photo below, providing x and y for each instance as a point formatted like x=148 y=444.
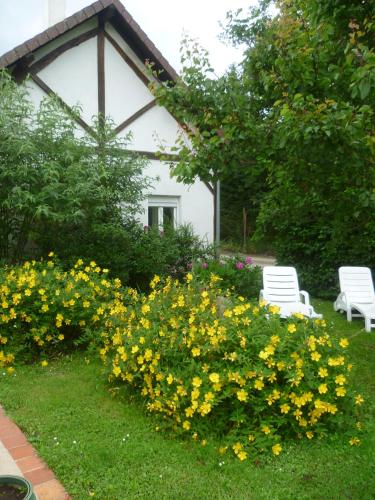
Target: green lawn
x=107 y=447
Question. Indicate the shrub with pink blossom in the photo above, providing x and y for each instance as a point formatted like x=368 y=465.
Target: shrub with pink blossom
x=236 y=273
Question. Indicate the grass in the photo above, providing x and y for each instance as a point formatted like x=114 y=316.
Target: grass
x=106 y=447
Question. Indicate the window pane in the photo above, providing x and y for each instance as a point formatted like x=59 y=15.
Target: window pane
x=153 y=219
x=168 y=216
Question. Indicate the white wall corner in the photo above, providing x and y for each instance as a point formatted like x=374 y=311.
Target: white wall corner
x=54 y=12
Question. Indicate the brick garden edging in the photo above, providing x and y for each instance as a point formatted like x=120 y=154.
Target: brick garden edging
x=44 y=482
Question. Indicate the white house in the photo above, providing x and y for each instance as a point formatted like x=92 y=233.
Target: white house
x=97 y=58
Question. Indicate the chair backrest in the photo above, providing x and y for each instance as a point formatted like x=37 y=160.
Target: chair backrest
x=357 y=284
x=280 y=284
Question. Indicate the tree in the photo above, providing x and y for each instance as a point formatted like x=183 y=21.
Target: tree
x=59 y=191
x=295 y=121
x=312 y=67
x=223 y=136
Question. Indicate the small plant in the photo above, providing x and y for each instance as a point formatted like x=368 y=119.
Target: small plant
x=218 y=366
x=236 y=273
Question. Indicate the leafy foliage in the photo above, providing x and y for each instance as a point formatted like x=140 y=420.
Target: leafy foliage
x=293 y=129
x=223 y=137
x=59 y=191
x=313 y=68
x=235 y=273
x=45 y=310
x=225 y=368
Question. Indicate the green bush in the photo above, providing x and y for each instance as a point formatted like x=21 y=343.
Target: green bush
x=170 y=252
x=237 y=273
x=46 y=310
x=214 y=366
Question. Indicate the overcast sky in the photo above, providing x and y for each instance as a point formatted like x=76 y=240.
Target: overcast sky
x=163 y=21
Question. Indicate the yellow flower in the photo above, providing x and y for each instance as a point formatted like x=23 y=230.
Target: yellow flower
x=344 y=343
x=276 y=449
x=195 y=394
x=186 y=425
x=61 y=336
x=251 y=438
x=354 y=441
x=359 y=399
x=214 y=378
x=309 y=434
x=266 y=429
x=242 y=395
x=204 y=409
x=340 y=379
x=116 y=370
x=189 y=277
x=284 y=408
x=170 y=379
x=195 y=352
x=10 y=370
x=189 y=412
x=322 y=388
x=44 y=363
x=323 y=372
x=145 y=309
x=340 y=391
x=197 y=382
x=135 y=349
x=292 y=328
x=274 y=309
x=242 y=455
x=315 y=356
x=237 y=447
x=209 y=396
x=259 y=384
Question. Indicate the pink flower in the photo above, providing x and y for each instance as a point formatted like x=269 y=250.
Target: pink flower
x=190 y=265
x=249 y=260
x=204 y=265
x=240 y=265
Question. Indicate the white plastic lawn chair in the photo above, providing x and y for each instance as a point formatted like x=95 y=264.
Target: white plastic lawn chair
x=356 y=294
x=280 y=288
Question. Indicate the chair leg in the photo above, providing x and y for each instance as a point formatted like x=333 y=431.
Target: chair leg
x=367 y=324
x=349 y=314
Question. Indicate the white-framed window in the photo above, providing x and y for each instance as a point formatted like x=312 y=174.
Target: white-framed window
x=163 y=211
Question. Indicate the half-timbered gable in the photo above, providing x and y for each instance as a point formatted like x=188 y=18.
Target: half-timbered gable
x=97 y=58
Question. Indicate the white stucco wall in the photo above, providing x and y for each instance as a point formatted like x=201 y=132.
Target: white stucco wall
x=125 y=93
x=153 y=129
x=74 y=77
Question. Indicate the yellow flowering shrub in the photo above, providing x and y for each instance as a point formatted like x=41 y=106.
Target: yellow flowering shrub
x=213 y=365
x=43 y=307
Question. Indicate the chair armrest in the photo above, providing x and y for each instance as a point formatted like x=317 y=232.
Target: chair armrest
x=305 y=297
x=341 y=302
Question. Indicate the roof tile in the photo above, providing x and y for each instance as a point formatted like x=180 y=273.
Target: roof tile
x=146 y=47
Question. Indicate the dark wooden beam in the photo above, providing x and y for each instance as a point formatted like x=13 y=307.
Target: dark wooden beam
x=41 y=84
x=134 y=117
x=127 y=59
x=101 y=70
x=47 y=59
x=21 y=69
